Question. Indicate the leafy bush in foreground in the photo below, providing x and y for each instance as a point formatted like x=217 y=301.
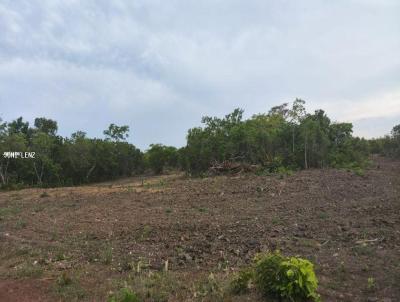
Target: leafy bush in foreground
x=290 y=278
x=285 y=278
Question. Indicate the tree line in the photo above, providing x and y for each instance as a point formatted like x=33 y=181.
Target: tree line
x=286 y=137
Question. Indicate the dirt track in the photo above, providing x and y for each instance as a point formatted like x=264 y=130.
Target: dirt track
x=347 y=224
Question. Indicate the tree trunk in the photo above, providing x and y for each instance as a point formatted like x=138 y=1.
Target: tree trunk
x=3 y=173
x=90 y=171
x=39 y=176
x=293 y=140
x=305 y=152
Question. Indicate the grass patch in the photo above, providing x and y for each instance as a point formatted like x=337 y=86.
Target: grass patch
x=38 y=208
x=364 y=250
x=201 y=209
x=144 y=233
x=28 y=270
x=124 y=295
x=371 y=284
x=323 y=215
x=158 y=287
x=149 y=286
x=68 y=288
x=158 y=184
x=241 y=282
x=9 y=211
x=106 y=255
x=210 y=288
x=20 y=224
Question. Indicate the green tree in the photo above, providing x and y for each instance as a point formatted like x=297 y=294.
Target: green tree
x=11 y=169
x=44 y=164
x=45 y=125
x=18 y=126
x=296 y=114
x=116 y=133
x=159 y=156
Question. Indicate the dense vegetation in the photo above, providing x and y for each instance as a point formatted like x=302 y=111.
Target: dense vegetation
x=64 y=161
x=284 y=138
x=388 y=145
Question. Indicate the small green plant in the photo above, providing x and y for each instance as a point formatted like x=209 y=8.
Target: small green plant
x=146 y=232
x=126 y=264
x=60 y=256
x=68 y=288
x=210 y=287
x=141 y=265
x=124 y=295
x=20 y=224
x=241 y=281
x=288 y=278
x=284 y=171
x=106 y=256
x=371 y=283
x=276 y=220
x=202 y=209
x=323 y=215
x=38 y=208
x=359 y=171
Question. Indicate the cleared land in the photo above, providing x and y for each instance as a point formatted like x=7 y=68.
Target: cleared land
x=83 y=242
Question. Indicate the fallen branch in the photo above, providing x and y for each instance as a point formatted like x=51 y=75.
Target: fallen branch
x=369 y=240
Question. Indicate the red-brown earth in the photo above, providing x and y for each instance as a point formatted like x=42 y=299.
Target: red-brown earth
x=81 y=243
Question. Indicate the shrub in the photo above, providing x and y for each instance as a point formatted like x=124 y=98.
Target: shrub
x=241 y=281
x=124 y=295
x=64 y=279
x=289 y=278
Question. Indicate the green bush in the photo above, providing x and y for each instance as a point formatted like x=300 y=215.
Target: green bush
x=124 y=295
x=289 y=278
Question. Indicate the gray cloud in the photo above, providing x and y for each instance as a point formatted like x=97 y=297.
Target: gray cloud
x=159 y=66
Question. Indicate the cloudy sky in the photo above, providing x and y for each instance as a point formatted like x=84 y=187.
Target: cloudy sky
x=158 y=66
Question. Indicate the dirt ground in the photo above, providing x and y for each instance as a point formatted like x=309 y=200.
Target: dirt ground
x=82 y=243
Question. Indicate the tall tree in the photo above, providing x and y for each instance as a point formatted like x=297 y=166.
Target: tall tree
x=18 y=126
x=116 y=133
x=45 y=125
x=296 y=114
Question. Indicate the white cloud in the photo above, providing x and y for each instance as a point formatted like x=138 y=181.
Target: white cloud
x=384 y=105
x=175 y=61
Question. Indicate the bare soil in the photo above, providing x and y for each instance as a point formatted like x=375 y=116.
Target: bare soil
x=81 y=243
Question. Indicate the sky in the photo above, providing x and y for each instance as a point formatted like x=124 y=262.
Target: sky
x=159 y=66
